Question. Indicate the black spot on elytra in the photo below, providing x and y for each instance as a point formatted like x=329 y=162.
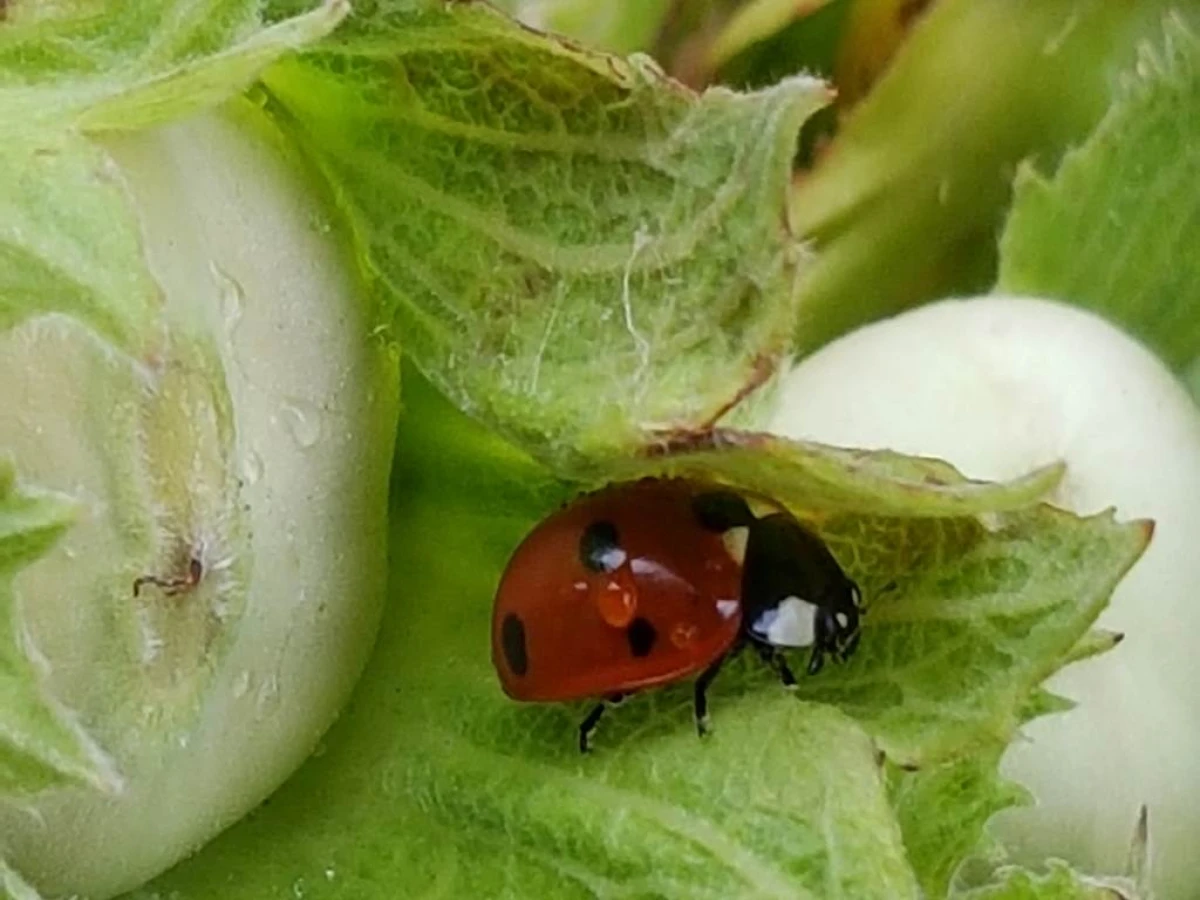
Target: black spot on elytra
x=598 y=544
x=720 y=511
x=641 y=636
x=512 y=641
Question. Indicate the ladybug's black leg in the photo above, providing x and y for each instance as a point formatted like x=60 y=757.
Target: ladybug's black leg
x=824 y=636
x=850 y=646
x=830 y=638
x=701 y=695
x=816 y=661
x=775 y=660
x=779 y=664
x=588 y=726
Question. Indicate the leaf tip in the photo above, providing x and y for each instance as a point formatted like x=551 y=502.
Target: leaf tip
x=1137 y=866
x=1146 y=527
x=331 y=13
x=817 y=91
x=1051 y=473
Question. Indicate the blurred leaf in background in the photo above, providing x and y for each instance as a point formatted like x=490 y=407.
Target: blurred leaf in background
x=905 y=204
x=1117 y=227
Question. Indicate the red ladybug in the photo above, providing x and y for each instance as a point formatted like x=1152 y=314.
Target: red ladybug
x=645 y=583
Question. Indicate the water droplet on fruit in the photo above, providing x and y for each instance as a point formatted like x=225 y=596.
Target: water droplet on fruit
x=302 y=421
x=231 y=295
x=241 y=684
x=252 y=467
x=268 y=695
x=320 y=224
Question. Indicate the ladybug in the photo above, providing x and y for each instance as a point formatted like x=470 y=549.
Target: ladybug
x=650 y=582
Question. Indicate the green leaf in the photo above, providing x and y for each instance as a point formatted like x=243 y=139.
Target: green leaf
x=1000 y=609
x=904 y=205
x=533 y=208
x=1115 y=228
x=70 y=244
x=1094 y=643
x=822 y=479
x=942 y=812
x=1044 y=703
x=1059 y=883
x=39 y=745
x=433 y=782
x=126 y=66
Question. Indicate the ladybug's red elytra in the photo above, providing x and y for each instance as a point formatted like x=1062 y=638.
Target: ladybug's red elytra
x=644 y=583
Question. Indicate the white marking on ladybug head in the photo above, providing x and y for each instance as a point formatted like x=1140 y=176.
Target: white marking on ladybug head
x=842 y=619
x=788 y=624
